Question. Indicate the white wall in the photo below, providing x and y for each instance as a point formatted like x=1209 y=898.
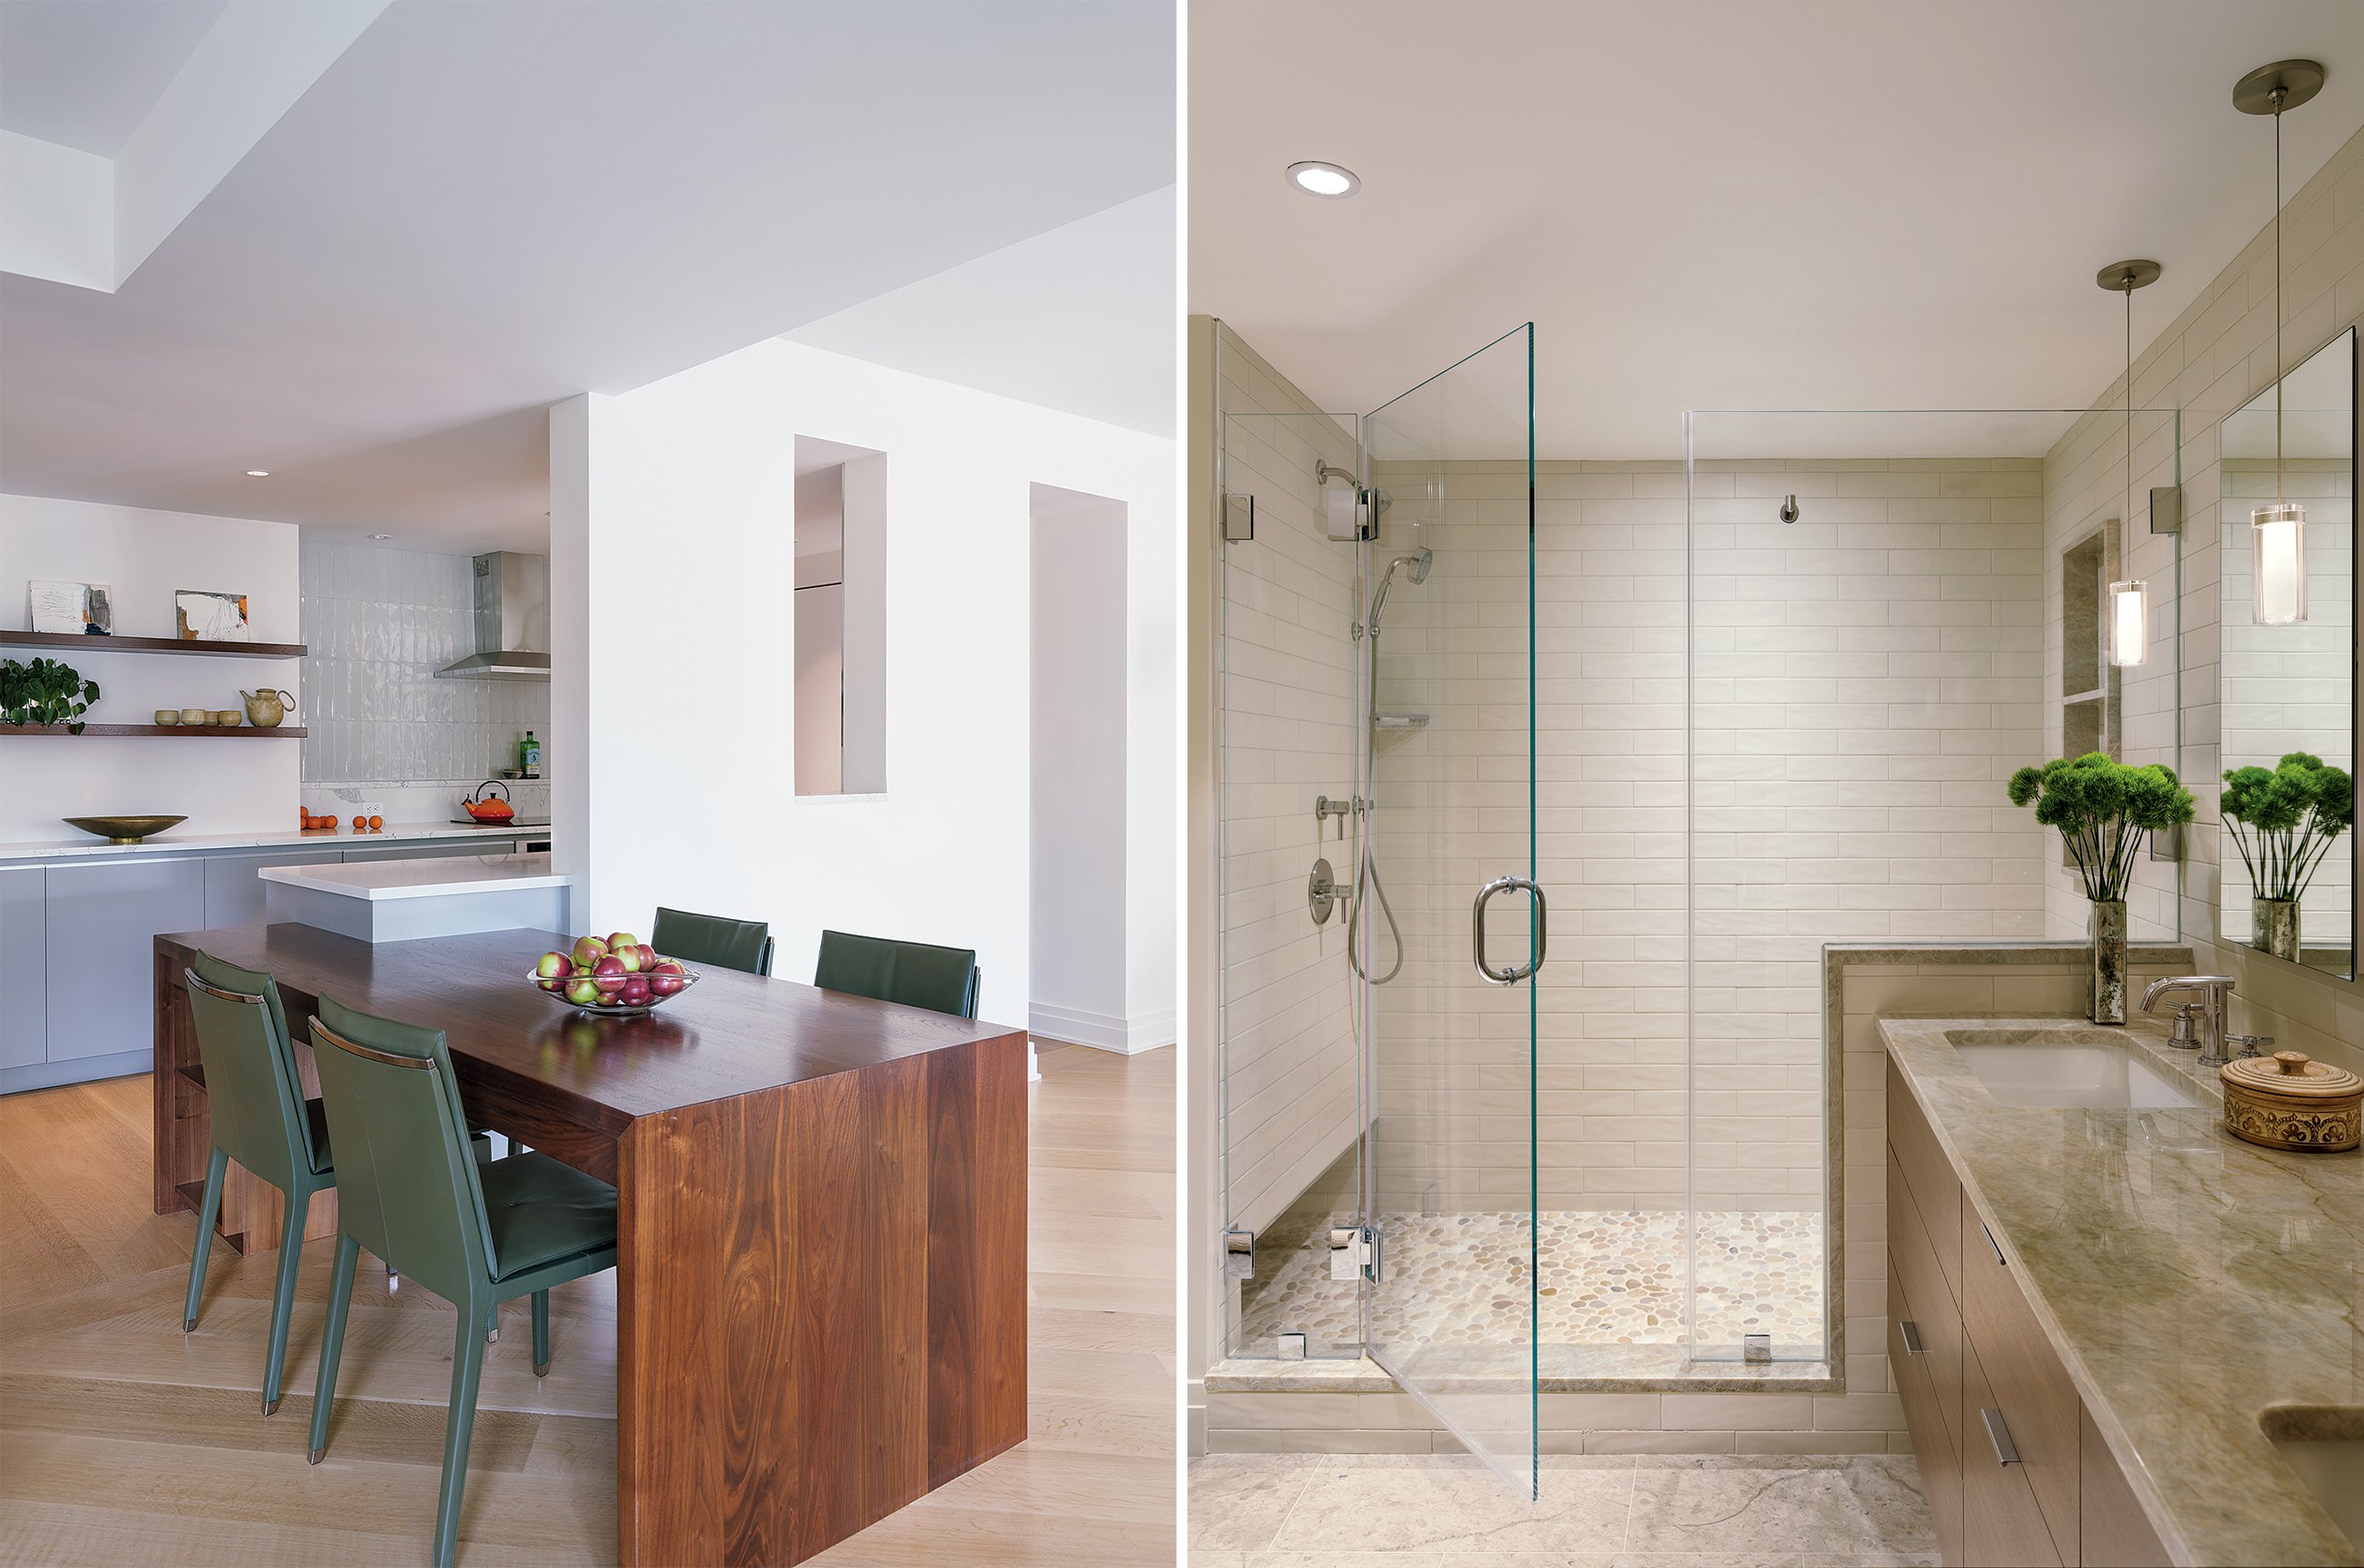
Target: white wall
x=222 y=785
x=2209 y=363
x=672 y=623
x=1079 y=805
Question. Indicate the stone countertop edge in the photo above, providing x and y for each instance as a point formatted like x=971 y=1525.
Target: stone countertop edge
x=2001 y=949
x=2239 y=1507
x=207 y=843
x=1334 y=1374
x=443 y=876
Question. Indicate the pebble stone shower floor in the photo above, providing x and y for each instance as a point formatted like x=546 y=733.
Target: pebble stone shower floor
x=1608 y=1277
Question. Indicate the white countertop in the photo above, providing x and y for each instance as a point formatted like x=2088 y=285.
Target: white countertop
x=195 y=843
x=438 y=878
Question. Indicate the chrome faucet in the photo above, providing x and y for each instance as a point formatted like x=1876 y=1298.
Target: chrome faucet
x=2215 y=991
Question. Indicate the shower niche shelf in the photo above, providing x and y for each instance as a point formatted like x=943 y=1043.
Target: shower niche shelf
x=1399 y=721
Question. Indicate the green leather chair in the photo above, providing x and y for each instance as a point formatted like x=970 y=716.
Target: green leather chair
x=942 y=980
x=411 y=1192
x=261 y=1119
x=743 y=945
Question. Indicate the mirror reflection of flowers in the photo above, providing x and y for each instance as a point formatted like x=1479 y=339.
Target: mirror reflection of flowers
x=2104 y=811
x=2285 y=821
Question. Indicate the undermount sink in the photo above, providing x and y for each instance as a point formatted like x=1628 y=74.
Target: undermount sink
x=2064 y=1070
x=2324 y=1444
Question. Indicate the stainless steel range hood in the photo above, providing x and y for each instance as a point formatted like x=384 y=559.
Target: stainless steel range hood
x=512 y=620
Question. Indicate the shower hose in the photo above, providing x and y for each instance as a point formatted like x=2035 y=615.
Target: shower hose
x=1367 y=870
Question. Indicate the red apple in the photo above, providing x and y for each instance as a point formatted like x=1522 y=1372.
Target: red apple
x=608 y=974
x=552 y=970
x=648 y=956
x=588 y=951
x=583 y=990
x=635 y=992
x=629 y=955
x=668 y=979
x=621 y=939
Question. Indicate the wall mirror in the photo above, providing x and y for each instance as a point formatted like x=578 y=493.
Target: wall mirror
x=2286 y=681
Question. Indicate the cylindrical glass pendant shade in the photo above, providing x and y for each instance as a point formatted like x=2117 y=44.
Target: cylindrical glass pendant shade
x=2129 y=624
x=2277 y=564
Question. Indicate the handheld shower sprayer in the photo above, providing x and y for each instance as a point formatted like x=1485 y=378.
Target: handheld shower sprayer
x=1417 y=566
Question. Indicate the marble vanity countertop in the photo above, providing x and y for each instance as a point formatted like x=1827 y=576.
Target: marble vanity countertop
x=2188 y=1280
x=440 y=877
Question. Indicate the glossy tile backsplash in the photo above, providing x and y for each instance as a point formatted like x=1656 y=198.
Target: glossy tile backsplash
x=379 y=624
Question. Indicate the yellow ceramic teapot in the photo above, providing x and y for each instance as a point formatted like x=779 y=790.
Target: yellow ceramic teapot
x=265 y=708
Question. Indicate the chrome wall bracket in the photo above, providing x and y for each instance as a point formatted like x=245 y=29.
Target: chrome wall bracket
x=1355 y=1252
x=1289 y=1345
x=1757 y=1347
x=1239 y=519
x=1239 y=1254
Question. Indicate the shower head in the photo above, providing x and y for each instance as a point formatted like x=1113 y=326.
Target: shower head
x=1417 y=563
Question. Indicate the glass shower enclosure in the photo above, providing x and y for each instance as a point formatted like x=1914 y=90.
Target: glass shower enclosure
x=1384 y=929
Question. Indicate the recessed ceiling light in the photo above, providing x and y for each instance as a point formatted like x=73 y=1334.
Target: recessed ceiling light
x=381 y=536
x=258 y=473
x=1319 y=179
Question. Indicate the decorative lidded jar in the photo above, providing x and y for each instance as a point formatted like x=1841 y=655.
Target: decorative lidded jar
x=2286 y=1101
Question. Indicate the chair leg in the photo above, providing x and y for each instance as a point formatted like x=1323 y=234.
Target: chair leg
x=467 y=1369
x=493 y=1324
x=541 y=1333
x=332 y=1341
x=209 y=1213
x=298 y=1205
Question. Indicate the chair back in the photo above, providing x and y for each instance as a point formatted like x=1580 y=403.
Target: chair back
x=743 y=945
x=406 y=1183
x=252 y=1093
x=918 y=974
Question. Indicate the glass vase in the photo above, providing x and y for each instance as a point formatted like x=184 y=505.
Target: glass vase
x=2273 y=927
x=2107 y=1003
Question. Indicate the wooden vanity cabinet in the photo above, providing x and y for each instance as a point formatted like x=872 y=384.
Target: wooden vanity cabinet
x=2013 y=1468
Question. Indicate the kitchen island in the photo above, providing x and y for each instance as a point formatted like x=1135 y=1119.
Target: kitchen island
x=400 y=901
x=821 y=1231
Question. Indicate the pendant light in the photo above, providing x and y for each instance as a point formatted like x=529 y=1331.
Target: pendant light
x=2125 y=615
x=2277 y=532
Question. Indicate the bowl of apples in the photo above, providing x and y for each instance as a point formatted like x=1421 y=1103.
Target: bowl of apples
x=617 y=977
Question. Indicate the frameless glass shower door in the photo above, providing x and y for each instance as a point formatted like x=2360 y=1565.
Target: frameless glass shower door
x=1449 y=927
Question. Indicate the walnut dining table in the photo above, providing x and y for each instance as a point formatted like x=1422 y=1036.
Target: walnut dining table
x=820 y=1221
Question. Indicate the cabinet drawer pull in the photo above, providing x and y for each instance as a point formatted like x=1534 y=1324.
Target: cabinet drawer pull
x=2000 y=1435
x=1992 y=1242
x=1912 y=1332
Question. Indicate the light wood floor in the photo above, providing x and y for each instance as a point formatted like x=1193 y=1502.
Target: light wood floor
x=122 y=1442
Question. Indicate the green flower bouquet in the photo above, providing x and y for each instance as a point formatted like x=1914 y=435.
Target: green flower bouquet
x=2104 y=811
x=2284 y=822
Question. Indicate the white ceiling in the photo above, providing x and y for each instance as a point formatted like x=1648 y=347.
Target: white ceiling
x=1079 y=319
x=1723 y=203
x=481 y=209
x=83 y=73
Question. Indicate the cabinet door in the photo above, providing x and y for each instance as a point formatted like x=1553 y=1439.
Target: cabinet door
x=2110 y=1521
x=24 y=1036
x=2003 y=1526
x=1932 y=1435
x=2029 y=1384
x=234 y=893
x=102 y=959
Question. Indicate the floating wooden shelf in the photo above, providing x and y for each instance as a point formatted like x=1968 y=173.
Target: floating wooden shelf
x=245 y=731
x=151 y=645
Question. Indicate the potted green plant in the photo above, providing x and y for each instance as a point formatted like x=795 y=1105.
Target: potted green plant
x=2104 y=811
x=44 y=691
x=2284 y=822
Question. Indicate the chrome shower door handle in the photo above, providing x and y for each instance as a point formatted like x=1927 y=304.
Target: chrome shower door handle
x=1478 y=930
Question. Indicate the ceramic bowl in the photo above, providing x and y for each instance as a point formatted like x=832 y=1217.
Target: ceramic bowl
x=228 y=718
x=168 y=716
x=124 y=829
x=197 y=716
x=609 y=1009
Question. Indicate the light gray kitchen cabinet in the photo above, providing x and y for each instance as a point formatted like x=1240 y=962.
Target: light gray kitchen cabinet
x=234 y=893
x=101 y=959
x=24 y=936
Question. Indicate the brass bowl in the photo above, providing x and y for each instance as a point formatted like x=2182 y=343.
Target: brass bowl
x=125 y=829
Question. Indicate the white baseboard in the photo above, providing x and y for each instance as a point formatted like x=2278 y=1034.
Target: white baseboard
x=1103 y=1031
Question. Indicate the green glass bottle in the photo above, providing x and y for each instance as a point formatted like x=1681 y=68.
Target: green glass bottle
x=529 y=756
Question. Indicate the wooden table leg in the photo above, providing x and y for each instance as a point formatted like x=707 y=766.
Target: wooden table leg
x=822 y=1304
